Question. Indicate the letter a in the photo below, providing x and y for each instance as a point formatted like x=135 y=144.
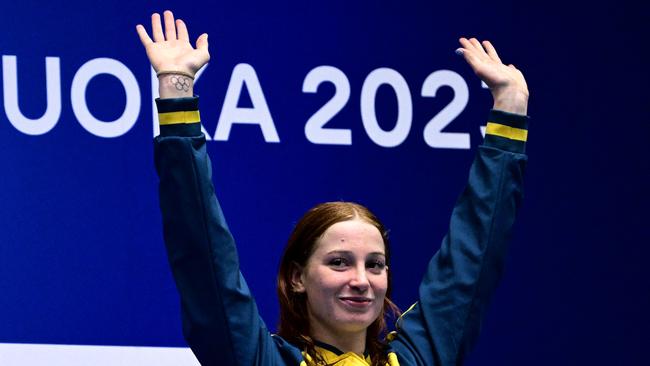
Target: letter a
x=259 y=114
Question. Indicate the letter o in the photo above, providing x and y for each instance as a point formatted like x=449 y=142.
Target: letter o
x=369 y=89
x=80 y=82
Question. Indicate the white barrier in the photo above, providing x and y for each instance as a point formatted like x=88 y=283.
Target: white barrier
x=12 y=354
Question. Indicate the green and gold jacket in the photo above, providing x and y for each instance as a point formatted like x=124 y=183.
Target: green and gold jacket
x=221 y=322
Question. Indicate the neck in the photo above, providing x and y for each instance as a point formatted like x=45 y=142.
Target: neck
x=344 y=341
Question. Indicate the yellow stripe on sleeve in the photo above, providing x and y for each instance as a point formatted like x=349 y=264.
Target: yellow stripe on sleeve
x=508 y=132
x=174 y=118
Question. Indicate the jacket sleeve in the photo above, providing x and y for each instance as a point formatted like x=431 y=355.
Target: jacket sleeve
x=460 y=279
x=220 y=318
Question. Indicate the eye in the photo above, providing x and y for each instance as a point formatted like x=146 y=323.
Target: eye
x=338 y=263
x=376 y=265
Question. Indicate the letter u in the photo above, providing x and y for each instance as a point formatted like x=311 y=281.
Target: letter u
x=52 y=113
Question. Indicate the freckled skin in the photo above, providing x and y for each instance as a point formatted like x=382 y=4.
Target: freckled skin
x=345 y=281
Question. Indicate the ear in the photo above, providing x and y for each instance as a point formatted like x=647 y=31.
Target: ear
x=297 y=284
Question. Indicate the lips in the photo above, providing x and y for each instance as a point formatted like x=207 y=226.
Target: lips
x=356 y=301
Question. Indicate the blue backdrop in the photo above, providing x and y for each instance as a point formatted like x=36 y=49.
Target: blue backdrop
x=81 y=253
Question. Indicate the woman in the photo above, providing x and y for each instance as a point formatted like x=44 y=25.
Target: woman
x=334 y=281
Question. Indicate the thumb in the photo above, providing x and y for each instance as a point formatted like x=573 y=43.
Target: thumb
x=202 y=42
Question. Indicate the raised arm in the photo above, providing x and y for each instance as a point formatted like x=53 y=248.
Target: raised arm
x=220 y=318
x=460 y=279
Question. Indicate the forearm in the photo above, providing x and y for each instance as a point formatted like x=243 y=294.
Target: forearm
x=465 y=272
x=220 y=317
x=187 y=222
x=463 y=275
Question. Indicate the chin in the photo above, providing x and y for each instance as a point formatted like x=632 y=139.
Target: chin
x=354 y=322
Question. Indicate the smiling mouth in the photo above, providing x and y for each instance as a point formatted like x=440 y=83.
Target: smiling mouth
x=356 y=302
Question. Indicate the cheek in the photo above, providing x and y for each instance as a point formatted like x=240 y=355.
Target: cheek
x=380 y=285
x=322 y=282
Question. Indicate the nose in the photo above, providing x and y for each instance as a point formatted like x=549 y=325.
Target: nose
x=359 y=279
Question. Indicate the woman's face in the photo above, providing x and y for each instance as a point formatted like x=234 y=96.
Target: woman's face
x=345 y=279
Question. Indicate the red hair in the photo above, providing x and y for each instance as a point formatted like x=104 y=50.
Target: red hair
x=294 y=321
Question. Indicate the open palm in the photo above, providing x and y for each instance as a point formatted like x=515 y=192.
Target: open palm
x=172 y=50
x=506 y=82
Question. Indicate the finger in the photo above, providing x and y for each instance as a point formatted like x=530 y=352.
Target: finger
x=470 y=46
x=491 y=51
x=142 y=33
x=170 y=27
x=156 y=28
x=469 y=56
x=183 y=35
x=466 y=43
x=477 y=46
x=202 y=42
x=202 y=47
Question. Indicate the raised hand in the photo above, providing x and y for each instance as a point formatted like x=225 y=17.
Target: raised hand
x=506 y=82
x=171 y=54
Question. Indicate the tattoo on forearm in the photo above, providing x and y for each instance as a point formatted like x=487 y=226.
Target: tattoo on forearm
x=180 y=83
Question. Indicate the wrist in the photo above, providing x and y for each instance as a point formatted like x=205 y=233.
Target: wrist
x=172 y=85
x=512 y=101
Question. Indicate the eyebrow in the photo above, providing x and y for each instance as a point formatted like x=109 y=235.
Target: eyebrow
x=347 y=252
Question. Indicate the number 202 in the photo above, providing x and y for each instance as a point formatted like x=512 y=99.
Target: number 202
x=316 y=132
